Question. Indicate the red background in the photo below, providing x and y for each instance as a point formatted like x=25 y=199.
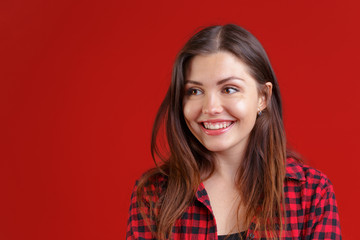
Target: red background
x=81 y=82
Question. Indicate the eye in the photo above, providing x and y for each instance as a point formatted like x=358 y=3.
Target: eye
x=230 y=90
x=193 y=91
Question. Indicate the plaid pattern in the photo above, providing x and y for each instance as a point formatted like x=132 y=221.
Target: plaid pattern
x=311 y=210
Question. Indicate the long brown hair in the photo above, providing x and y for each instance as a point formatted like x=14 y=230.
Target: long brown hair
x=262 y=171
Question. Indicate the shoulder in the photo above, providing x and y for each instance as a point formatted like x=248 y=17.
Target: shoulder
x=150 y=186
x=143 y=206
x=309 y=183
x=310 y=202
x=295 y=170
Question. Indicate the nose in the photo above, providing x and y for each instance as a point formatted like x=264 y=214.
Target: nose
x=212 y=105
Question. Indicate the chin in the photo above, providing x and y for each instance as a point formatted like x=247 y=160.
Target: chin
x=215 y=147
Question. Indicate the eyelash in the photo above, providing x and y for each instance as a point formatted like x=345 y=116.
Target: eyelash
x=230 y=88
x=190 y=91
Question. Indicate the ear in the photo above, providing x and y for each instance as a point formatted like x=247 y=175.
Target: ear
x=265 y=96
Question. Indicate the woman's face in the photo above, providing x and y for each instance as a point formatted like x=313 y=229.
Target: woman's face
x=221 y=102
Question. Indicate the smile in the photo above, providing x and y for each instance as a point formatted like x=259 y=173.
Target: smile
x=217 y=125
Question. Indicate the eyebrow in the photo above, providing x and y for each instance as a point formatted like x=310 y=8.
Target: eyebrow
x=222 y=81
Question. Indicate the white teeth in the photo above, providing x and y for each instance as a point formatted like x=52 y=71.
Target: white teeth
x=216 y=126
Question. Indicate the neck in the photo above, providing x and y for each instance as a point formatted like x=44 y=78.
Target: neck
x=227 y=165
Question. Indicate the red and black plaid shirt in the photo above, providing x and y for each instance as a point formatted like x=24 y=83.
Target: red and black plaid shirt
x=311 y=210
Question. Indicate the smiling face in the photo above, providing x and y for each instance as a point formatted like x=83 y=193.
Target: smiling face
x=221 y=102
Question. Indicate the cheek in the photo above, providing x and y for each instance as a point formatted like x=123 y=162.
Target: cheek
x=190 y=111
x=188 y=115
x=245 y=111
x=187 y=112
x=191 y=114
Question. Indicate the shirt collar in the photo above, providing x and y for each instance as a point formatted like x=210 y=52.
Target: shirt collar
x=294 y=170
x=203 y=197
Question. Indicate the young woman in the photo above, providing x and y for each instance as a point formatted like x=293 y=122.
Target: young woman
x=227 y=173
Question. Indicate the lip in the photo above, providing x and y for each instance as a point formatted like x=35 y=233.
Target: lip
x=220 y=131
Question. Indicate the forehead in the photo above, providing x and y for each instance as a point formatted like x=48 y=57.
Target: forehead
x=216 y=66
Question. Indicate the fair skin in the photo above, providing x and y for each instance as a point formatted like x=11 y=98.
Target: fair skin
x=220 y=107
